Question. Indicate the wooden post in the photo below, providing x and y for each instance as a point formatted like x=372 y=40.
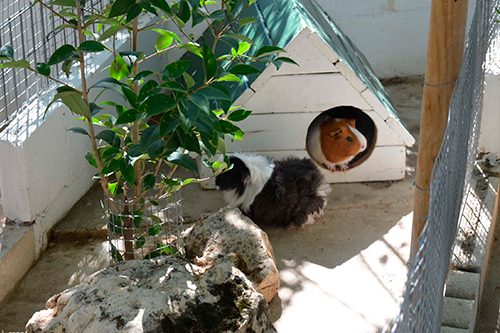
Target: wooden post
x=444 y=58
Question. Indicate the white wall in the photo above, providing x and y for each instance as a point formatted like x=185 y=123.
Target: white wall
x=392 y=34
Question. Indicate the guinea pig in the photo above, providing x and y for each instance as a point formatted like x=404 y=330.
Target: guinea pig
x=334 y=142
x=287 y=193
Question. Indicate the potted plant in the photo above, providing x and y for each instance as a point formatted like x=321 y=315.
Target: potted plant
x=165 y=116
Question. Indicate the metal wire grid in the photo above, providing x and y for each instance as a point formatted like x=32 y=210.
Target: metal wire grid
x=29 y=29
x=421 y=309
x=155 y=231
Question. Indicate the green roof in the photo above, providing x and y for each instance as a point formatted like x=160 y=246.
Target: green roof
x=279 y=22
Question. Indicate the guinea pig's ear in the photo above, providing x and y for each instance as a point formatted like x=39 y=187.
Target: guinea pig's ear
x=351 y=122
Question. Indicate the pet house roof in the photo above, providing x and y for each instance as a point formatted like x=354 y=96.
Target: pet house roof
x=282 y=21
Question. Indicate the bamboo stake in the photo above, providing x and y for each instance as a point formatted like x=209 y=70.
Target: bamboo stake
x=444 y=58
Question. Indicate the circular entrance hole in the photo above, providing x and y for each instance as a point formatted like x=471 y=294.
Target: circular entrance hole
x=336 y=137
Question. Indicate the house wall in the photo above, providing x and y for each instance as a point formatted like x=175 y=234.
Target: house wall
x=392 y=34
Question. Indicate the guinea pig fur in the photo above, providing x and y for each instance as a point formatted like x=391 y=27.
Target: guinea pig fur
x=334 y=142
x=287 y=193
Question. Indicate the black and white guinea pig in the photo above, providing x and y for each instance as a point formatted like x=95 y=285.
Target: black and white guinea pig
x=287 y=193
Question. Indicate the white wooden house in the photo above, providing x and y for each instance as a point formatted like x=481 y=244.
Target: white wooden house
x=332 y=73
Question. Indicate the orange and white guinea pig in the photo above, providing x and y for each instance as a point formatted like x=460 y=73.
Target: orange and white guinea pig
x=334 y=142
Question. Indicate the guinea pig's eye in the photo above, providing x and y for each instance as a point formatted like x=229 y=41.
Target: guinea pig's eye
x=349 y=138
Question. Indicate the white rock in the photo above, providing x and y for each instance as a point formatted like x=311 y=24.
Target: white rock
x=229 y=233
x=161 y=295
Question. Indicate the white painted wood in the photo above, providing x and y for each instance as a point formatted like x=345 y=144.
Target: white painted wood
x=309 y=58
x=386 y=136
x=327 y=51
x=305 y=93
x=273 y=132
x=375 y=103
x=271 y=69
x=403 y=133
x=286 y=131
x=351 y=76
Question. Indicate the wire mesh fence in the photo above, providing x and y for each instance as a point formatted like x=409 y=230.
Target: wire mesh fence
x=146 y=229
x=31 y=30
x=421 y=309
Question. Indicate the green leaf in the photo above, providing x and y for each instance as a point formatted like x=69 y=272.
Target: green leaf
x=188 y=113
x=162 y=42
x=79 y=130
x=155 y=151
x=75 y=102
x=110 y=32
x=128 y=116
x=64 y=52
x=120 y=7
x=229 y=77
x=16 y=64
x=286 y=59
x=118 y=69
x=183 y=161
x=113 y=187
x=110 y=137
x=133 y=12
x=147 y=89
x=218 y=15
x=188 y=79
x=91 y=46
x=210 y=142
x=148 y=182
x=139 y=243
x=147 y=6
x=214 y=93
x=110 y=153
x=154 y=230
x=209 y=62
x=173 y=86
x=167 y=33
x=243 y=69
x=142 y=75
x=110 y=167
x=7 y=51
x=128 y=172
x=184 y=13
x=188 y=141
x=175 y=69
x=239 y=115
x=243 y=47
x=200 y=101
x=157 y=104
x=66 y=66
x=94 y=108
x=69 y=3
x=239 y=37
x=228 y=128
x=168 y=124
x=130 y=96
x=149 y=136
x=193 y=48
x=268 y=50
x=111 y=84
x=207 y=123
x=116 y=254
x=163 y=5
x=247 y=20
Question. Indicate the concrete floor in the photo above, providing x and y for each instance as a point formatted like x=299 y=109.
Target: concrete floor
x=345 y=273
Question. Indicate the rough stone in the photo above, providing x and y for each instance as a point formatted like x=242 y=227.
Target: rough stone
x=229 y=233
x=162 y=295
